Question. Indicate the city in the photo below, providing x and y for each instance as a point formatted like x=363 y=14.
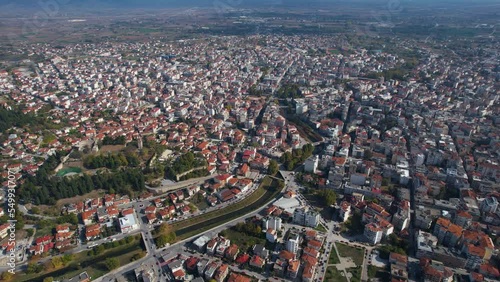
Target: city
x=243 y=144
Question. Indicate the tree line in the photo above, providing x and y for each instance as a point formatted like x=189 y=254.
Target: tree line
x=111 y=161
x=120 y=140
x=46 y=189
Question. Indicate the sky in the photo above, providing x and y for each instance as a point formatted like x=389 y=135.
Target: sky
x=227 y=3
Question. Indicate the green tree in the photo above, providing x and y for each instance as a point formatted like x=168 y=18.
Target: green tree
x=30 y=232
x=34 y=268
x=328 y=197
x=162 y=240
x=67 y=258
x=99 y=250
x=112 y=263
x=273 y=167
x=56 y=262
x=48 y=279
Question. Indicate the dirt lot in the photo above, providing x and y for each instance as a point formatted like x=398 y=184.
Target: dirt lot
x=111 y=148
x=60 y=203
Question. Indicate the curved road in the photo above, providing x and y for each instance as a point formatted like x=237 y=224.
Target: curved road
x=178 y=185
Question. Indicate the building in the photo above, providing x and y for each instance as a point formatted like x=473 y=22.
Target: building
x=293 y=268
x=373 y=233
x=311 y=164
x=292 y=244
x=271 y=235
x=201 y=242
x=299 y=215
x=273 y=222
x=311 y=218
x=489 y=204
x=344 y=211
x=82 y=277
x=306 y=217
x=128 y=223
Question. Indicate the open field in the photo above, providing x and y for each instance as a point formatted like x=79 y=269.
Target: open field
x=243 y=240
x=96 y=193
x=351 y=252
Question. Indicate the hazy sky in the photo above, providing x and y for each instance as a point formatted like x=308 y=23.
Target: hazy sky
x=228 y=3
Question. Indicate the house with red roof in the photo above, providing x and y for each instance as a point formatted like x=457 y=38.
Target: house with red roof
x=151 y=217
x=236 y=277
x=150 y=209
x=257 y=261
x=231 y=252
x=242 y=259
x=44 y=240
x=63 y=244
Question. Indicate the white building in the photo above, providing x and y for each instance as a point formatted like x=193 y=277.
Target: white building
x=420 y=159
x=373 y=233
x=299 y=215
x=273 y=222
x=128 y=223
x=311 y=219
x=311 y=164
x=292 y=244
x=306 y=217
x=301 y=108
x=344 y=211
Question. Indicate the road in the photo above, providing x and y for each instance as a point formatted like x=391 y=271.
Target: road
x=25 y=211
x=178 y=185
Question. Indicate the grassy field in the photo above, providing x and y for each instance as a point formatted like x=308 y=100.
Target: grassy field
x=200 y=202
x=94 y=265
x=195 y=225
x=351 y=252
x=334 y=258
x=333 y=274
x=243 y=240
